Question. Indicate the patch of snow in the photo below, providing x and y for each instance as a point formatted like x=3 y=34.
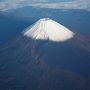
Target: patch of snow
x=48 y=29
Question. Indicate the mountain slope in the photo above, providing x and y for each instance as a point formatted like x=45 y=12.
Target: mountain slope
x=43 y=64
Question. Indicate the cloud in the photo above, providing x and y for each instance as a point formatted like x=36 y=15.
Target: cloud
x=13 y=4
x=76 y=4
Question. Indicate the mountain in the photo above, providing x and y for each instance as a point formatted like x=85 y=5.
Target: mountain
x=46 y=56
x=19 y=19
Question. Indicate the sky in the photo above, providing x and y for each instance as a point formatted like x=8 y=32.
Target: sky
x=56 y=4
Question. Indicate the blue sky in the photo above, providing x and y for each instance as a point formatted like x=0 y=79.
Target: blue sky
x=56 y=4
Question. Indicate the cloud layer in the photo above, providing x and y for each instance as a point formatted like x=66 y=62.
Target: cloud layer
x=75 y=4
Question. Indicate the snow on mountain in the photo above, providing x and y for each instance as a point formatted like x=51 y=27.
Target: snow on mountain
x=47 y=29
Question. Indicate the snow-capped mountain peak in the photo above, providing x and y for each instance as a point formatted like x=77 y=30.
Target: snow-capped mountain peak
x=48 y=29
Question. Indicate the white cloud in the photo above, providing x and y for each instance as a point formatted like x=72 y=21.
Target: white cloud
x=79 y=4
x=13 y=4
